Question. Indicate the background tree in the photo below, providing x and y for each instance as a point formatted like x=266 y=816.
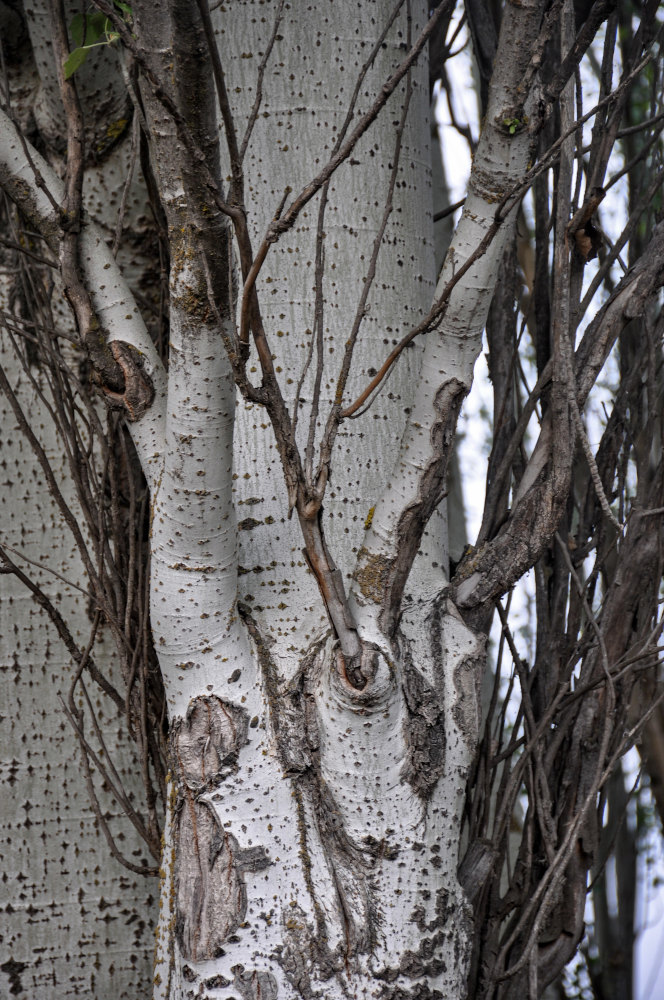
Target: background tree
x=330 y=811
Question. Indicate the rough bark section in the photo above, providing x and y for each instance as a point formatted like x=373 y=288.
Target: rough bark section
x=431 y=488
x=249 y=984
x=424 y=731
x=424 y=961
x=207 y=742
x=467 y=709
x=211 y=897
x=382 y=579
x=358 y=856
x=305 y=954
x=450 y=694
x=294 y=719
x=458 y=657
x=253 y=985
x=138 y=392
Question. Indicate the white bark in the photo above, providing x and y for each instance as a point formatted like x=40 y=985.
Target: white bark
x=98 y=81
x=74 y=922
x=312 y=836
x=349 y=882
x=500 y=161
x=114 y=304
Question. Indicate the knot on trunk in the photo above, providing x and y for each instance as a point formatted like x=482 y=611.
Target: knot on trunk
x=366 y=681
x=119 y=370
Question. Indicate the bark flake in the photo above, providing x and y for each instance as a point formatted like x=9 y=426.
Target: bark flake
x=211 y=898
x=424 y=731
x=207 y=742
x=254 y=985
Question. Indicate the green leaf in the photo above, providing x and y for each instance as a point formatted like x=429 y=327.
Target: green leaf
x=74 y=60
x=98 y=24
x=76 y=29
x=124 y=7
x=88 y=28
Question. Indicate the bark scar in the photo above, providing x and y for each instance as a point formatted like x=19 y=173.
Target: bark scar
x=138 y=394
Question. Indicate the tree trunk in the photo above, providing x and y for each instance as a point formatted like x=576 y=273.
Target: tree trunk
x=312 y=844
x=74 y=921
x=322 y=689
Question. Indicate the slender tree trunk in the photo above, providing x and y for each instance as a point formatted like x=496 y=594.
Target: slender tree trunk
x=74 y=921
x=307 y=850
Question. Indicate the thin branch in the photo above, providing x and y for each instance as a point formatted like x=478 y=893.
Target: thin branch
x=237 y=182
x=282 y=224
x=507 y=203
x=63 y=631
x=336 y=414
x=10 y=244
x=87 y=754
x=253 y=114
x=444 y=212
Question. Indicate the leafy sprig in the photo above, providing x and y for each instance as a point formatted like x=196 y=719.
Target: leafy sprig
x=90 y=31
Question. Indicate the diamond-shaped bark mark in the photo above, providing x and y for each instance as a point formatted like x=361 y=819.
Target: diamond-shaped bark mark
x=13 y=970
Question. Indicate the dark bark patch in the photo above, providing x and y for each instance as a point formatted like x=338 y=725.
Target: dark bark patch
x=210 y=889
x=476 y=868
x=424 y=727
x=254 y=985
x=252 y=859
x=211 y=898
x=294 y=720
x=293 y=710
x=189 y=974
x=424 y=732
x=138 y=393
x=216 y=983
x=13 y=970
x=296 y=954
x=430 y=492
x=420 y=964
x=466 y=711
x=207 y=742
x=423 y=964
x=421 y=991
x=351 y=867
x=248 y=524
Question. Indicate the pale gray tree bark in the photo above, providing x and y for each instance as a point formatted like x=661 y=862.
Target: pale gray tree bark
x=74 y=921
x=320 y=681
